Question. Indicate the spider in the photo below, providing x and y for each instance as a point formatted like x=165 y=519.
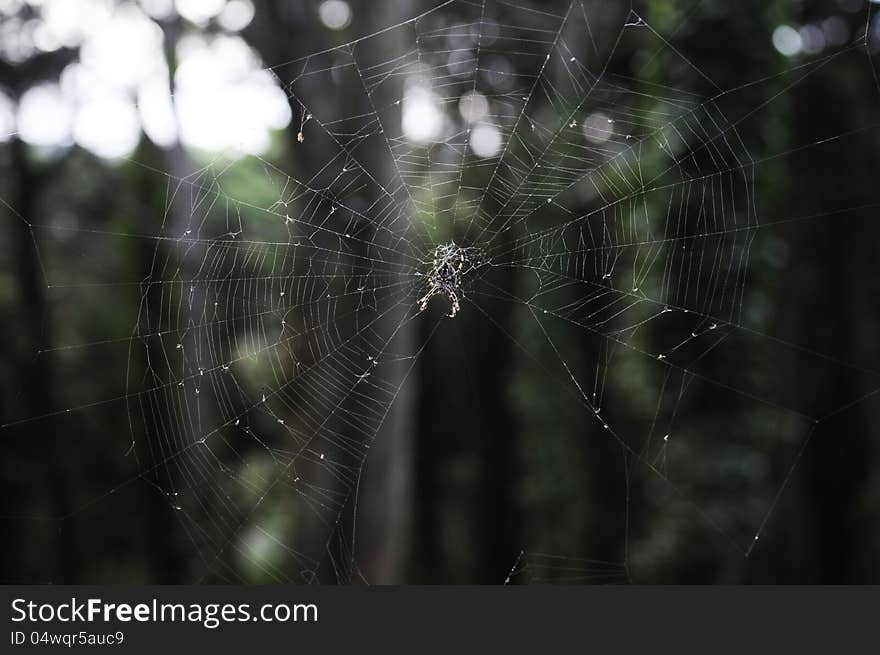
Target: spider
x=450 y=264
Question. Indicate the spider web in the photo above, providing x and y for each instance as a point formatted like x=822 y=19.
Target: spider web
x=606 y=199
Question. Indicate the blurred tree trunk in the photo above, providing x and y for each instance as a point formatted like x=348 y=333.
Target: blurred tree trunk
x=384 y=495
x=466 y=513
x=37 y=376
x=166 y=558
x=835 y=462
x=820 y=533
x=377 y=513
x=499 y=534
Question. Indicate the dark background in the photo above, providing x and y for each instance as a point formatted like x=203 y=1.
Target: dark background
x=488 y=463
